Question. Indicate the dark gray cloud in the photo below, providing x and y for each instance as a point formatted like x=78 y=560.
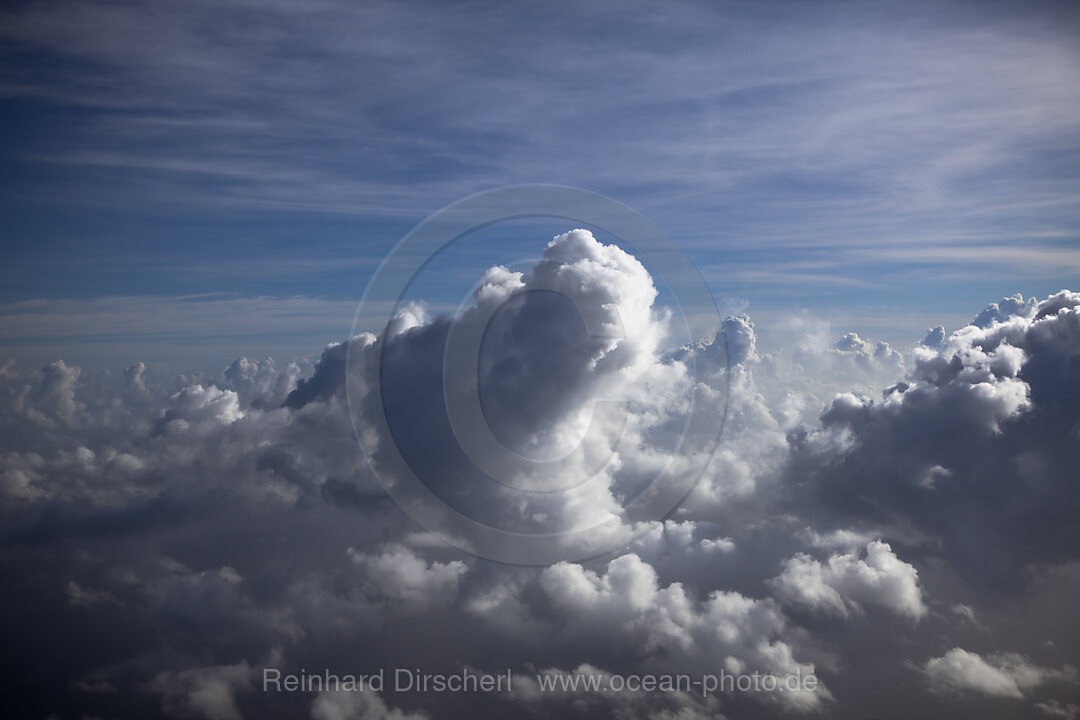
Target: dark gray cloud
x=977 y=451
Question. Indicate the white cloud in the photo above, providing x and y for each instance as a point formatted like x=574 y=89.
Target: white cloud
x=626 y=604
x=846 y=582
x=201 y=408
x=398 y=575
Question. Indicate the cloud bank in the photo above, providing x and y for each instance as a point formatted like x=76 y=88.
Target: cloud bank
x=168 y=535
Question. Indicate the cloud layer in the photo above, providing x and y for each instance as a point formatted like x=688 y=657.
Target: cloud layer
x=168 y=536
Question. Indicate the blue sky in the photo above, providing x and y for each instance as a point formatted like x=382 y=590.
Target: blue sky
x=191 y=181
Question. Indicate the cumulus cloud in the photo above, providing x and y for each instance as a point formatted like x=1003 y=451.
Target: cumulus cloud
x=199 y=523
x=935 y=337
x=205 y=692
x=982 y=430
x=56 y=394
x=666 y=627
x=1055 y=709
x=341 y=705
x=559 y=347
x=202 y=407
x=1001 y=675
x=846 y=582
x=864 y=350
x=401 y=576
x=1001 y=311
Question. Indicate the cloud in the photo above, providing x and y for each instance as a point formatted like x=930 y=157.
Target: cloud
x=571 y=369
x=962 y=670
x=626 y=604
x=1006 y=308
x=982 y=430
x=205 y=692
x=935 y=337
x=846 y=582
x=178 y=530
x=56 y=394
x=198 y=407
x=400 y=576
x=357 y=706
x=965 y=612
x=1002 y=675
x=1056 y=709
x=668 y=705
x=82 y=596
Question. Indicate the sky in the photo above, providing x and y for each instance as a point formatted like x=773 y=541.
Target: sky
x=785 y=385
x=867 y=161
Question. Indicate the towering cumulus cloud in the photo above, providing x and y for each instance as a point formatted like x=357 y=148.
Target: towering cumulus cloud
x=582 y=398
x=897 y=524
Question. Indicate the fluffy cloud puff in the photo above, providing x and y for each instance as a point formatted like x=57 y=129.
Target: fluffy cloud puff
x=667 y=630
x=846 y=582
x=1001 y=675
x=399 y=575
